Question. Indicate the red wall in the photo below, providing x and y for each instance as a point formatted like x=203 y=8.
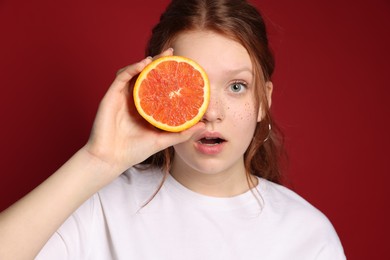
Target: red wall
x=331 y=96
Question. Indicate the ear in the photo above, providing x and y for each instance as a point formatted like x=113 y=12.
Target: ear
x=268 y=94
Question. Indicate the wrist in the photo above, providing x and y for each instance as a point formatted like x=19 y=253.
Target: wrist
x=102 y=169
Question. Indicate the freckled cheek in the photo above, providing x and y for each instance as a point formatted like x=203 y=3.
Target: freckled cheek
x=243 y=114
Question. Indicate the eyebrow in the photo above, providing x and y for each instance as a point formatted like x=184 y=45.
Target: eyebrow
x=239 y=70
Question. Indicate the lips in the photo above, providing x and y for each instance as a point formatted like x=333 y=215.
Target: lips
x=210 y=143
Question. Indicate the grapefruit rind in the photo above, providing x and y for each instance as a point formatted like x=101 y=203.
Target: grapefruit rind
x=163 y=126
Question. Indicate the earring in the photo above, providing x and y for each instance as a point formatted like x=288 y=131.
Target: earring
x=269 y=133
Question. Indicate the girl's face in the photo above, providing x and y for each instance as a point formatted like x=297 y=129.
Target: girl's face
x=232 y=113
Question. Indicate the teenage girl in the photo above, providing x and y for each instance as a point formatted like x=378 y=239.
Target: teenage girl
x=210 y=192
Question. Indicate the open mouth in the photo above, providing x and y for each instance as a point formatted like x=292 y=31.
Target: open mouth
x=211 y=141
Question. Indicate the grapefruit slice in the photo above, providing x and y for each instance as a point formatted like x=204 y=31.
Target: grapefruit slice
x=172 y=93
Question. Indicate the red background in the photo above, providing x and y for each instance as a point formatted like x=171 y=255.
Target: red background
x=331 y=96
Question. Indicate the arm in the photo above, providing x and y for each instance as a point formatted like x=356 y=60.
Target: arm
x=119 y=139
x=28 y=224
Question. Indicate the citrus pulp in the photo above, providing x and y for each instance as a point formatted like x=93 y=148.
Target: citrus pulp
x=172 y=93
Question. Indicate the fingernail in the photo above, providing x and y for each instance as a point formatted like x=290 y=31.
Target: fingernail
x=171 y=49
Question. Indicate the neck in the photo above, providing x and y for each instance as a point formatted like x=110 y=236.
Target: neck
x=228 y=183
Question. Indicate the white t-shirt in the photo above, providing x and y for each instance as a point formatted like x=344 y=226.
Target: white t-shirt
x=178 y=224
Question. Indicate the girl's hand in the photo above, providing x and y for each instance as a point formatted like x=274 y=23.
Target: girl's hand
x=120 y=136
x=119 y=139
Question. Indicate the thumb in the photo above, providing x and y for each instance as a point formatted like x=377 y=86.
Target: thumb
x=180 y=137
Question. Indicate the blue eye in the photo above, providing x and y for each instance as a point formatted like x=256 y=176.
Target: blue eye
x=238 y=87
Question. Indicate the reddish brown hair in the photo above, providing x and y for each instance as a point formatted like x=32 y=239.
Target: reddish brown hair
x=241 y=22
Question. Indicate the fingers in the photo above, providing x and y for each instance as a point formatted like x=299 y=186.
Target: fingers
x=168 y=52
x=125 y=74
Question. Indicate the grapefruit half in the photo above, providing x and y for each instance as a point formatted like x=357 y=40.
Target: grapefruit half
x=172 y=93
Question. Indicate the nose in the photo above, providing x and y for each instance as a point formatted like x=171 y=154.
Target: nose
x=215 y=110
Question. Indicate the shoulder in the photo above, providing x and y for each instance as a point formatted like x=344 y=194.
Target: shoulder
x=140 y=174
x=282 y=200
x=135 y=185
x=299 y=220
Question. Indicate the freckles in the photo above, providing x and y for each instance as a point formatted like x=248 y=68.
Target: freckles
x=249 y=111
x=244 y=114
